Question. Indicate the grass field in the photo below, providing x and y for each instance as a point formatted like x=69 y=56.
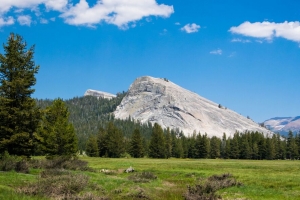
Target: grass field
x=261 y=179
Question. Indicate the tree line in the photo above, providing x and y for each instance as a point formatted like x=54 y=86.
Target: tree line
x=166 y=143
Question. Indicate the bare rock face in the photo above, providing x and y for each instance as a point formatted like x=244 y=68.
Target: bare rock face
x=99 y=94
x=161 y=101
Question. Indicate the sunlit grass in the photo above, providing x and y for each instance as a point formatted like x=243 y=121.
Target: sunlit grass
x=278 y=179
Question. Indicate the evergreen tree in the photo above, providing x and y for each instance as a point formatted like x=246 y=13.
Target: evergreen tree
x=245 y=152
x=292 y=149
x=234 y=146
x=262 y=146
x=297 y=140
x=56 y=134
x=184 y=144
x=223 y=146
x=270 y=150
x=102 y=139
x=255 y=150
x=227 y=148
x=19 y=116
x=157 y=143
x=92 y=147
x=115 y=142
x=168 y=143
x=192 y=151
x=215 y=144
x=177 y=148
x=202 y=146
x=198 y=146
x=136 y=149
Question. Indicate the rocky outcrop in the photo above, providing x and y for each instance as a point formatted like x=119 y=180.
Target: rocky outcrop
x=99 y=94
x=161 y=101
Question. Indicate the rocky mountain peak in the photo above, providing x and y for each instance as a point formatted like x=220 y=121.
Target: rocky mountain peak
x=283 y=125
x=161 y=101
x=99 y=94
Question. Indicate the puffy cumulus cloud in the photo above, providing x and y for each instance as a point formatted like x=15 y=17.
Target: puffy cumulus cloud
x=18 y=6
x=269 y=30
x=190 y=28
x=24 y=20
x=5 y=6
x=117 y=12
x=216 y=52
x=58 y=5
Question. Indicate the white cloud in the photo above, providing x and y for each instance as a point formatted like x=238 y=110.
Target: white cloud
x=177 y=24
x=190 y=28
x=43 y=21
x=58 y=5
x=6 y=21
x=6 y=5
x=117 y=12
x=217 y=52
x=24 y=20
x=240 y=40
x=269 y=30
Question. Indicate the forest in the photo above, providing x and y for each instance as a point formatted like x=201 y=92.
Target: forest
x=99 y=133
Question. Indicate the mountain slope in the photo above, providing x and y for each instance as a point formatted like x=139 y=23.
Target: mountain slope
x=283 y=125
x=159 y=100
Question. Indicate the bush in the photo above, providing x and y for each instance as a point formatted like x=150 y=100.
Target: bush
x=208 y=189
x=55 y=183
x=137 y=193
x=143 y=177
x=9 y=163
x=65 y=162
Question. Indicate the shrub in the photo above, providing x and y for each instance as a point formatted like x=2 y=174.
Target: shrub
x=142 y=177
x=65 y=162
x=9 y=163
x=58 y=184
x=137 y=193
x=208 y=189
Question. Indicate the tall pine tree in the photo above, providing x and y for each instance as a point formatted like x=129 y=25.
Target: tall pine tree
x=168 y=143
x=115 y=141
x=136 y=149
x=57 y=136
x=157 y=146
x=92 y=147
x=19 y=117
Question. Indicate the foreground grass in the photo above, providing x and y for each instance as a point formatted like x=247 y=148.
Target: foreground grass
x=261 y=179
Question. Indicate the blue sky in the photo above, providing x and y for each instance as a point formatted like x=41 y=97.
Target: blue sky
x=244 y=55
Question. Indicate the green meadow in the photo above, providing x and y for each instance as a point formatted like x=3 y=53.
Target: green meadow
x=276 y=179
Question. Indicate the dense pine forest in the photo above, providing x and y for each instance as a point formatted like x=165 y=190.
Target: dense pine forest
x=100 y=134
